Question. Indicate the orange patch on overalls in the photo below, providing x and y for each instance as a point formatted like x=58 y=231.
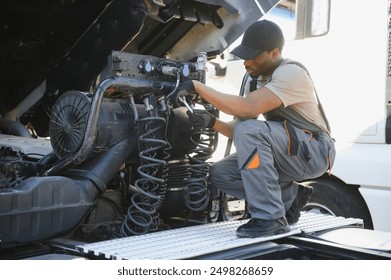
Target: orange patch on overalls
x=254 y=163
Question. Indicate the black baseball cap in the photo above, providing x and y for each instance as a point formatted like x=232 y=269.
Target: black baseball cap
x=260 y=36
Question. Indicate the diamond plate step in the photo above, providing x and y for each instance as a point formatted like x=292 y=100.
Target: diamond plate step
x=310 y=223
x=189 y=242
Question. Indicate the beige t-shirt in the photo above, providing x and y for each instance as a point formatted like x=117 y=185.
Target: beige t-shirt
x=294 y=87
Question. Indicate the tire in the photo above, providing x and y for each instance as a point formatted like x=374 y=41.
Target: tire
x=335 y=198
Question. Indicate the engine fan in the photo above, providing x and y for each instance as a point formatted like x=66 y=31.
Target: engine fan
x=68 y=122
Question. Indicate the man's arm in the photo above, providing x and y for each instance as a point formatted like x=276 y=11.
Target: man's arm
x=225 y=128
x=257 y=102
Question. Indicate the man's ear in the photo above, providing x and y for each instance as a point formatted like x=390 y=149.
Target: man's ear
x=275 y=53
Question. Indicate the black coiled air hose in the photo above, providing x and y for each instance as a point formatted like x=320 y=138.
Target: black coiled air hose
x=196 y=187
x=142 y=215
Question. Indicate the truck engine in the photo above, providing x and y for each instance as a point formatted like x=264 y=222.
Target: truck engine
x=124 y=161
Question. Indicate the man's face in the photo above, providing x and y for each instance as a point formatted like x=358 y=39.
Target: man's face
x=263 y=64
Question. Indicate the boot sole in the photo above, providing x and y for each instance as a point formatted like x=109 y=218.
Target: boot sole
x=268 y=233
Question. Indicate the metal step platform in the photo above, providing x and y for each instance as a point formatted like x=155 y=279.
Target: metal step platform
x=194 y=241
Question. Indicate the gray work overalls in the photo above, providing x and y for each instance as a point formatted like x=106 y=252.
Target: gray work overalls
x=271 y=156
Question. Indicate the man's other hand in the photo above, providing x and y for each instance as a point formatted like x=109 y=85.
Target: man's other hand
x=201 y=119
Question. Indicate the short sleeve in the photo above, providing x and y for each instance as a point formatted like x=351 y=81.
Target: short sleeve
x=292 y=85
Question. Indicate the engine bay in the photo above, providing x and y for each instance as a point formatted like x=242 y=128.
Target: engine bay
x=94 y=143
x=122 y=160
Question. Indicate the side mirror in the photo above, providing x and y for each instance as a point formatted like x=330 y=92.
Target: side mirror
x=313 y=18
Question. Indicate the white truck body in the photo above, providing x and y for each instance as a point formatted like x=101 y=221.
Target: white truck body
x=350 y=67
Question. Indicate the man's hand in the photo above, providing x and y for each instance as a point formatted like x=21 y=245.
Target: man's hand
x=201 y=119
x=185 y=88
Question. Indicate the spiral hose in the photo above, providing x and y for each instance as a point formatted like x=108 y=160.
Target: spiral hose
x=142 y=215
x=196 y=188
